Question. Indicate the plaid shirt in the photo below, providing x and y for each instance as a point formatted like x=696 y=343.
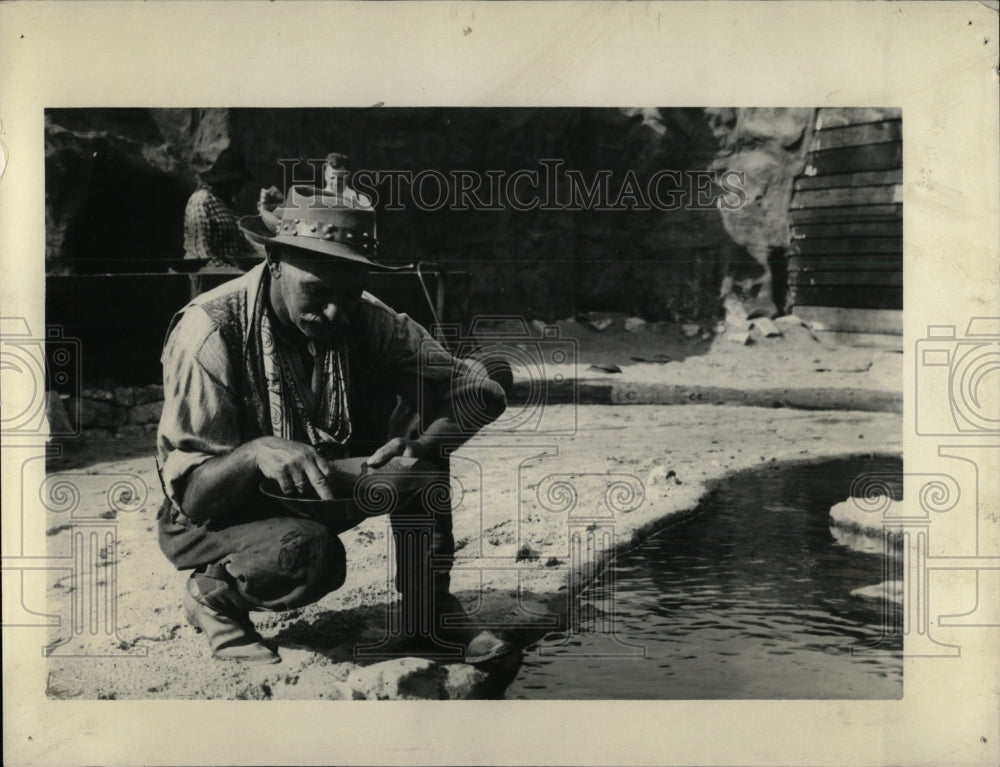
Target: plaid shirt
x=211 y=231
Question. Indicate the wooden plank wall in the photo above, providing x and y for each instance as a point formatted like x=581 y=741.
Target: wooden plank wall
x=847 y=218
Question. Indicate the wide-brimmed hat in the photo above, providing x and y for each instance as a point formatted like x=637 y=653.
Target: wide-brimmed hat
x=323 y=224
x=230 y=165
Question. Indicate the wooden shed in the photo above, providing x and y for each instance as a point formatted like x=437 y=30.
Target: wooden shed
x=845 y=266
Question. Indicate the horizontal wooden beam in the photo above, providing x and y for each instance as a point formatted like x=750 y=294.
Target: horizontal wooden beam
x=835 y=117
x=848 y=229
x=886 y=278
x=850 y=180
x=886 y=212
x=855 y=159
x=847 y=297
x=858 y=135
x=845 y=261
x=817 y=245
x=882 y=321
x=862 y=195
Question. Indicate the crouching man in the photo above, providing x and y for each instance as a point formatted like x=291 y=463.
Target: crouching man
x=292 y=376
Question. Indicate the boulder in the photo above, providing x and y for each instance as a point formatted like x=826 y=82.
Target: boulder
x=862 y=524
x=867 y=517
x=146 y=413
x=464 y=682
x=56 y=415
x=789 y=321
x=142 y=431
x=768 y=146
x=635 y=324
x=400 y=679
x=780 y=125
x=97 y=413
x=887 y=591
x=767 y=328
x=690 y=329
x=144 y=394
x=119 y=395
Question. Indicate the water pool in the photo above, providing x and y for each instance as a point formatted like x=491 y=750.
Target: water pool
x=749 y=597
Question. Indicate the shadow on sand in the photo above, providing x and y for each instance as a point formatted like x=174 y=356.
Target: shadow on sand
x=362 y=636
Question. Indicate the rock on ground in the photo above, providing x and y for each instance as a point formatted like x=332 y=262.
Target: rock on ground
x=887 y=591
x=872 y=517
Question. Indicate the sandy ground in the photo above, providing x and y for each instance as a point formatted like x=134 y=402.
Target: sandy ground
x=727 y=356
x=538 y=504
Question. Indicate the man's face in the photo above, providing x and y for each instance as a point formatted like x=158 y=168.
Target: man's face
x=316 y=297
x=335 y=178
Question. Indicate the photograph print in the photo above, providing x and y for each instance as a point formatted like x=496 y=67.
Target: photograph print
x=565 y=403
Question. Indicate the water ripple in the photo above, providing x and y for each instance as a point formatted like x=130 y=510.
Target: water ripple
x=738 y=603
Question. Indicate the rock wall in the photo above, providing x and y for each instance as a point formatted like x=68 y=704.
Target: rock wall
x=121 y=411
x=115 y=190
x=117 y=182
x=769 y=146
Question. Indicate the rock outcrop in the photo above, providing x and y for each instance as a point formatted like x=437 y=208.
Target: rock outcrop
x=769 y=146
x=415 y=679
x=115 y=191
x=116 y=408
x=118 y=180
x=865 y=530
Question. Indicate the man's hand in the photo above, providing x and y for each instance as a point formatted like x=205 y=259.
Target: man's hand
x=394 y=448
x=294 y=466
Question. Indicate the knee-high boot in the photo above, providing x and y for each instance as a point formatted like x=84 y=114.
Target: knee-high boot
x=425 y=552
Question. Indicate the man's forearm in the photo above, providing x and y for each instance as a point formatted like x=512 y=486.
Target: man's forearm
x=445 y=433
x=221 y=484
x=441 y=438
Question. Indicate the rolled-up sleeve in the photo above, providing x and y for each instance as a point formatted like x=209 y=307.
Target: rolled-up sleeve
x=200 y=418
x=427 y=376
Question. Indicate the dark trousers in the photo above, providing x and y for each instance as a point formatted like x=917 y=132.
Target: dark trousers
x=276 y=560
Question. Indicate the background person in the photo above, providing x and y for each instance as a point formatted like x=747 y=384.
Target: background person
x=211 y=231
